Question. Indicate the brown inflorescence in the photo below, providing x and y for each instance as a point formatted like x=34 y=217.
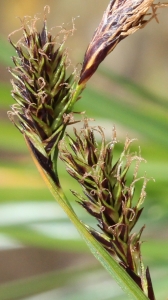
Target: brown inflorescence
x=109 y=197
x=43 y=91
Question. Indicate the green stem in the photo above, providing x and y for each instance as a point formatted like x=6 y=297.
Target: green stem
x=78 y=90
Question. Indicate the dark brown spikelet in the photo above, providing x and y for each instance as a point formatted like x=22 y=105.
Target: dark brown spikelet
x=109 y=198
x=43 y=91
x=121 y=18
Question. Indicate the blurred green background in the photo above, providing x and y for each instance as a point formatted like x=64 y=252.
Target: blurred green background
x=41 y=254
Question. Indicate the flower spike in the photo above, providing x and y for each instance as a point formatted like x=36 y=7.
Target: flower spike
x=109 y=198
x=121 y=18
x=43 y=91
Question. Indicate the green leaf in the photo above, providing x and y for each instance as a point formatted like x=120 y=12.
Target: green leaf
x=31 y=237
x=133 y=117
x=134 y=88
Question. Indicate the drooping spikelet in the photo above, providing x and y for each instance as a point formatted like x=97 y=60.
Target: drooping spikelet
x=109 y=197
x=43 y=92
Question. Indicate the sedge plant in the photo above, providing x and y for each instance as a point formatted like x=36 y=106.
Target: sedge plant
x=45 y=97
